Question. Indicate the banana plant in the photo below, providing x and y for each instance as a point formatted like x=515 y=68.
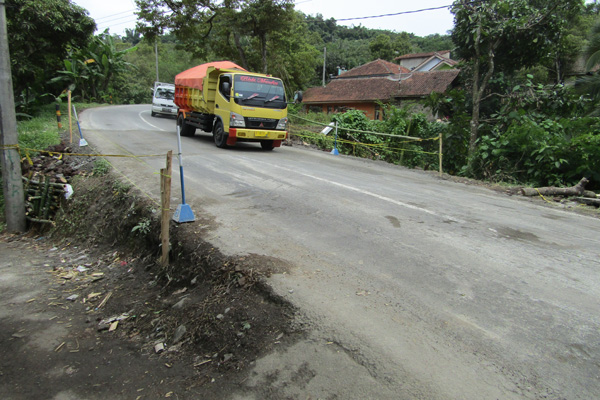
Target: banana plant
x=93 y=69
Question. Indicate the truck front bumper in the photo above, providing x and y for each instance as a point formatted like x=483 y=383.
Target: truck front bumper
x=256 y=134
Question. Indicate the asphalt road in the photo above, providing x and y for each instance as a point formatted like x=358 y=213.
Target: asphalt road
x=414 y=286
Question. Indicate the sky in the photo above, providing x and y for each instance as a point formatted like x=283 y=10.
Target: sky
x=119 y=14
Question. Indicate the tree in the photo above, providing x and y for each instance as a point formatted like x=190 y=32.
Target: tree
x=381 y=47
x=240 y=29
x=40 y=32
x=590 y=84
x=293 y=55
x=262 y=18
x=388 y=48
x=132 y=36
x=92 y=70
x=434 y=42
x=497 y=35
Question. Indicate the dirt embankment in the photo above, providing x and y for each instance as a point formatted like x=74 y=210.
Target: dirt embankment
x=205 y=316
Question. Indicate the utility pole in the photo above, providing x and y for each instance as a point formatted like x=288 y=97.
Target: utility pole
x=12 y=182
x=156 y=53
x=324 y=63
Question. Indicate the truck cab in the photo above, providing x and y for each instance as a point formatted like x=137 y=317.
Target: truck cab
x=250 y=108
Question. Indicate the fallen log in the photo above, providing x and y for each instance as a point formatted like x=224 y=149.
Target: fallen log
x=577 y=190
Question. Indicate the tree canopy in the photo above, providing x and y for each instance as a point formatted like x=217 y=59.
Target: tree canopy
x=40 y=33
x=498 y=36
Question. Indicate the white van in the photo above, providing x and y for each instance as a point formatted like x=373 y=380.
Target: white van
x=162 y=100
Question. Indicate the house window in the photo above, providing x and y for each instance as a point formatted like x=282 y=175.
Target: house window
x=329 y=110
x=377 y=112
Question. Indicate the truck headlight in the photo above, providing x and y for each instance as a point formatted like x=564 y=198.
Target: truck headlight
x=236 y=120
x=282 y=124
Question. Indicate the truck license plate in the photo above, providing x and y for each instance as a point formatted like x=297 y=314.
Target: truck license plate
x=261 y=133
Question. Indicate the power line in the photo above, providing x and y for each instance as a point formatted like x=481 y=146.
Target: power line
x=115 y=20
x=394 y=14
x=104 y=25
x=114 y=15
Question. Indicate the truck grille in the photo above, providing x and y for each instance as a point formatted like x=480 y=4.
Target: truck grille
x=260 y=123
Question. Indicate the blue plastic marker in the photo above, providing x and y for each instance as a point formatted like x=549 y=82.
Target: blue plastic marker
x=184 y=212
x=335 y=151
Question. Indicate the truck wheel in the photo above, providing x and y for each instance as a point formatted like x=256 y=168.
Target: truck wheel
x=185 y=129
x=220 y=136
x=267 y=145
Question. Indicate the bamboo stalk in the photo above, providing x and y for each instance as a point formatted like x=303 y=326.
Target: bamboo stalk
x=43 y=221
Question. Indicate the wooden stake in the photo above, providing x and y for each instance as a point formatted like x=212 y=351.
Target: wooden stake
x=165 y=189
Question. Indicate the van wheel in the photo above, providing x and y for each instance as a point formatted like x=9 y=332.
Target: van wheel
x=185 y=129
x=267 y=145
x=220 y=136
x=153 y=114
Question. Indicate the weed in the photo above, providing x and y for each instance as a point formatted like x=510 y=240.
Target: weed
x=120 y=189
x=101 y=167
x=143 y=227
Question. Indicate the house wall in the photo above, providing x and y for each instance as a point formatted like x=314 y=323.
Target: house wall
x=367 y=108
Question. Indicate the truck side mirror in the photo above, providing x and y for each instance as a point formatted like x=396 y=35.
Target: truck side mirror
x=226 y=89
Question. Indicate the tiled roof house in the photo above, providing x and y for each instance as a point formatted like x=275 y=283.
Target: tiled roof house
x=363 y=87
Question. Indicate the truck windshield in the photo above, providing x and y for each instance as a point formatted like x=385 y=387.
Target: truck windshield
x=259 y=91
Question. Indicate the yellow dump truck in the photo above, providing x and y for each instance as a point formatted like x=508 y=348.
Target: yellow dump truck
x=232 y=103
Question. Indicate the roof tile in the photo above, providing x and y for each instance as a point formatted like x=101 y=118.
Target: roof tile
x=378 y=67
x=424 y=83
x=417 y=84
x=422 y=55
x=357 y=89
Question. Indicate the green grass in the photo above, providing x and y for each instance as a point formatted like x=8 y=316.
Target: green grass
x=42 y=131
x=38 y=133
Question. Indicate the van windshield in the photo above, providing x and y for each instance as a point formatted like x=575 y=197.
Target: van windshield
x=162 y=93
x=259 y=91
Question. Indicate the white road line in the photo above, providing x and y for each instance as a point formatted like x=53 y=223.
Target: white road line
x=365 y=192
x=152 y=125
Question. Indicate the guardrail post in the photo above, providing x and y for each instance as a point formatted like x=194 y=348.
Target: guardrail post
x=440 y=155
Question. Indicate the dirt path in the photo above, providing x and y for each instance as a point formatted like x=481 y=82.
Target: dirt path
x=52 y=347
